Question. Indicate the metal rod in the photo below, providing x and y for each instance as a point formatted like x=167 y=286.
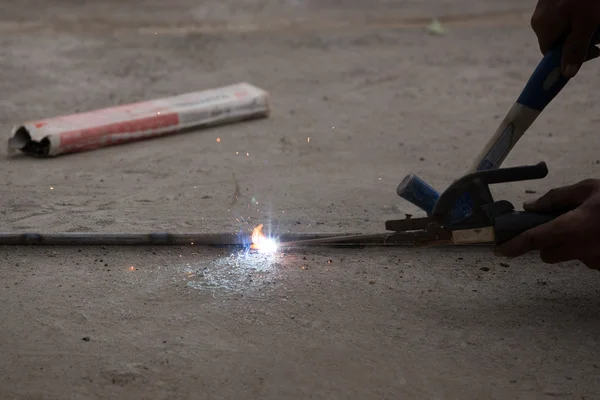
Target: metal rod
x=374 y=239
x=161 y=238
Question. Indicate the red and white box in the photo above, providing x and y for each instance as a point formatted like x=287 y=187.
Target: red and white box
x=127 y=123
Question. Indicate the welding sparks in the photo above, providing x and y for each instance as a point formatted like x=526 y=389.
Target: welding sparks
x=261 y=242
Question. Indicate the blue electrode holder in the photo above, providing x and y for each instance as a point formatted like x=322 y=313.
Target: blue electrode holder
x=542 y=87
x=416 y=191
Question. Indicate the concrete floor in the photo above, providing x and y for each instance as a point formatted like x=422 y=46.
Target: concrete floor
x=379 y=97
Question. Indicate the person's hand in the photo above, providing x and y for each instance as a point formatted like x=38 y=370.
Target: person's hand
x=575 y=235
x=577 y=20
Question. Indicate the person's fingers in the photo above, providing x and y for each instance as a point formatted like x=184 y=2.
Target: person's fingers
x=565 y=198
x=577 y=44
x=591 y=262
x=560 y=230
x=585 y=250
x=588 y=251
x=593 y=54
x=560 y=253
x=548 y=23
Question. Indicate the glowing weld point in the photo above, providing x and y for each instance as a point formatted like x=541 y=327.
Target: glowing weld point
x=261 y=242
x=269 y=246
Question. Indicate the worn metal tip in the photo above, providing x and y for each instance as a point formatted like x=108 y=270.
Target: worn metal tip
x=405 y=184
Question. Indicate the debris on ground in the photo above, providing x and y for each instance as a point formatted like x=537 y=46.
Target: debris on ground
x=436 y=28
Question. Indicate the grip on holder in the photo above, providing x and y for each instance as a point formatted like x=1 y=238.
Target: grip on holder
x=511 y=225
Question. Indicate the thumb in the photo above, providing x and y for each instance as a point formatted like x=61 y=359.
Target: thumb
x=577 y=45
x=563 y=199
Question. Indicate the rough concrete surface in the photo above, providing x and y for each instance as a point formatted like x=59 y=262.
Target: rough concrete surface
x=379 y=97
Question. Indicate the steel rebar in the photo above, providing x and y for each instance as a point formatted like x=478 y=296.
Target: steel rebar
x=161 y=238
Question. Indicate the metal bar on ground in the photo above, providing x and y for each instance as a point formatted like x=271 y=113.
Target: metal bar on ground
x=161 y=238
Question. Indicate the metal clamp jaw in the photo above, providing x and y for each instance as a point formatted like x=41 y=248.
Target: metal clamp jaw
x=473 y=189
